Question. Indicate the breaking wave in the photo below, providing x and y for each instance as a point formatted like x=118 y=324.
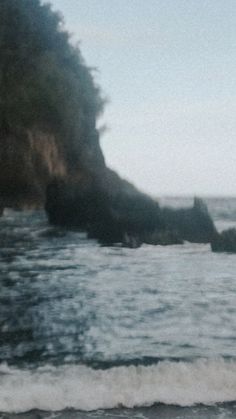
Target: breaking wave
x=83 y=388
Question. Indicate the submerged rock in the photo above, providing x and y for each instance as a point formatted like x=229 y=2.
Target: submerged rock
x=163 y=238
x=225 y=242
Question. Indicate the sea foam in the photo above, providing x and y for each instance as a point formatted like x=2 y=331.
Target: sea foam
x=83 y=388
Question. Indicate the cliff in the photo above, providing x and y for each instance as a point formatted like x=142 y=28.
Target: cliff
x=28 y=159
x=49 y=144
x=49 y=104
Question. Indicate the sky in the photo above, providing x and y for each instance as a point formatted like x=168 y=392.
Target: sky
x=168 y=69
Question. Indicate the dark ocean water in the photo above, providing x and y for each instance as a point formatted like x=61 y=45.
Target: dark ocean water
x=109 y=332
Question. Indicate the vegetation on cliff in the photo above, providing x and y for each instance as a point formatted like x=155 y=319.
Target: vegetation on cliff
x=44 y=81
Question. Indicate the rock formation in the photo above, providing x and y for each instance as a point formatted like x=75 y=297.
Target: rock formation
x=49 y=144
x=191 y=224
x=115 y=212
x=224 y=242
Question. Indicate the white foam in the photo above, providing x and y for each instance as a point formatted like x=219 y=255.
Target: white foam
x=82 y=388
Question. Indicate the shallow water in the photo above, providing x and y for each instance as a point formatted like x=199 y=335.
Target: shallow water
x=90 y=328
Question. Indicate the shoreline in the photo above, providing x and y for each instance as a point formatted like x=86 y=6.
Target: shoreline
x=160 y=411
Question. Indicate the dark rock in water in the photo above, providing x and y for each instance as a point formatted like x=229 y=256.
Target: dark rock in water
x=192 y=224
x=115 y=212
x=225 y=242
x=112 y=215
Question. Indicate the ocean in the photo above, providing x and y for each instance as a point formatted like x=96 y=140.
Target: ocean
x=108 y=332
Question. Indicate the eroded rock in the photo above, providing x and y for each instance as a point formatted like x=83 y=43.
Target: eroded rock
x=225 y=242
x=124 y=215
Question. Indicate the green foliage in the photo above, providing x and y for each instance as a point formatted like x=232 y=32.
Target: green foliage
x=43 y=79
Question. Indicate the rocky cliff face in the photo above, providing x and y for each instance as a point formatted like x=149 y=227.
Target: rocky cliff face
x=28 y=161
x=49 y=104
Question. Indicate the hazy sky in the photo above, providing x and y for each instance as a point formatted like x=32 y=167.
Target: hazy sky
x=168 y=68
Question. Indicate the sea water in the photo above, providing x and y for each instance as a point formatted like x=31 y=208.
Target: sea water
x=109 y=332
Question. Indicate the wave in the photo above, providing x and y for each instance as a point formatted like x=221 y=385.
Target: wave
x=83 y=388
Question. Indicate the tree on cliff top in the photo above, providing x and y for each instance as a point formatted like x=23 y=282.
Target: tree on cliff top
x=44 y=81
